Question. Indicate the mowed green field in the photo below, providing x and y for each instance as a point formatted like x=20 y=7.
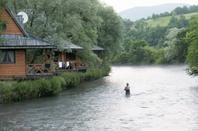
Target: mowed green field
x=163 y=21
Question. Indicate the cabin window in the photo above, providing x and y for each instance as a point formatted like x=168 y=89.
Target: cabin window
x=2 y=26
x=7 y=56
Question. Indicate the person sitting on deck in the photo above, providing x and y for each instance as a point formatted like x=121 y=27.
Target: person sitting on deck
x=127 y=89
x=67 y=65
x=60 y=64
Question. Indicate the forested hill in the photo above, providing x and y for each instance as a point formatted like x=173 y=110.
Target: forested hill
x=181 y=13
x=162 y=38
x=137 y=13
x=154 y=29
x=165 y=20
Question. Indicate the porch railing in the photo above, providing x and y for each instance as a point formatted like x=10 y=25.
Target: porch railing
x=39 y=69
x=48 y=69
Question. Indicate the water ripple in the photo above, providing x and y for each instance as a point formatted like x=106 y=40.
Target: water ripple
x=162 y=98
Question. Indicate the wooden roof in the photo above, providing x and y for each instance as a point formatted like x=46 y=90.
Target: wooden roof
x=97 y=48
x=69 y=45
x=21 y=42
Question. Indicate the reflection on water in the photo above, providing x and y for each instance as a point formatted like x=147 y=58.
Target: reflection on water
x=162 y=98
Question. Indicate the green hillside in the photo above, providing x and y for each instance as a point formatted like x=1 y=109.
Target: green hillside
x=163 y=21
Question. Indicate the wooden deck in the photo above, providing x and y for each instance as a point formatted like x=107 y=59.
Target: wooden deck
x=27 y=77
x=9 y=78
x=35 y=71
x=83 y=69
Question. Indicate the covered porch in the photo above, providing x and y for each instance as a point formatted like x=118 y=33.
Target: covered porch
x=41 y=64
x=67 y=59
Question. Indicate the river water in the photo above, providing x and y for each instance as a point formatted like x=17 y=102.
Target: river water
x=164 y=98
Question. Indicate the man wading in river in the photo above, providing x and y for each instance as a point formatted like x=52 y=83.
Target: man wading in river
x=127 y=89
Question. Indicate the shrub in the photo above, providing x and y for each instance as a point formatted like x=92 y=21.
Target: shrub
x=7 y=93
x=93 y=74
x=22 y=90
x=72 y=79
x=44 y=87
x=56 y=84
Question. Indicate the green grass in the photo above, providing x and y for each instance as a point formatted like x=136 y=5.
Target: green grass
x=188 y=16
x=164 y=21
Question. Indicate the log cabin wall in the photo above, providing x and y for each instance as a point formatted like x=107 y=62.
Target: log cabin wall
x=11 y=26
x=19 y=67
x=16 y=69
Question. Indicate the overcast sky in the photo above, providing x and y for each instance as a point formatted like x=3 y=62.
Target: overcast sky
x=120 y=5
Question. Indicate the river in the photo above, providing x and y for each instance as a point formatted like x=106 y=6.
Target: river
x=163 y=98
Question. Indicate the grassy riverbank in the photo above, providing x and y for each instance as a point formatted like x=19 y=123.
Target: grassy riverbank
x=15 y=91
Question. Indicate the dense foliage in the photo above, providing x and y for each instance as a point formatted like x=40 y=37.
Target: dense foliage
x=85 y=23
x=148 y=45
x=192 y=38
x=172 y=44
x=137 y=52
x=1 y=22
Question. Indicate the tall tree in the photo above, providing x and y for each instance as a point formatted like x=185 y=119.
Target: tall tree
x=176 y=47
x=192 y=38
x=110 y=32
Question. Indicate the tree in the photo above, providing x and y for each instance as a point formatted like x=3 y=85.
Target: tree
x=192 y=38
x=181 y=10
x=182 y=46
x=2 y=24
x=183 y=22
x=155 y=36
x=176 y=46
x=136 y=52
x=110 y=32
x=2 y=3
x=173 y=21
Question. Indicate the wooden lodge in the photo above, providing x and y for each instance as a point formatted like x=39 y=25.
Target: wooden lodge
x=14 y=41
x=15 y=44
